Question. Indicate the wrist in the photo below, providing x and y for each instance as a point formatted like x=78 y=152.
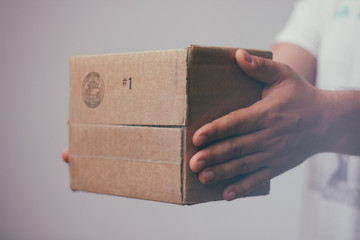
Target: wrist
x=340 y=121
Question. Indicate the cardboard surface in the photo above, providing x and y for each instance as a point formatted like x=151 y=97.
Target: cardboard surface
x=139 y=162
x=146 y=88
x=217 y=86
x=132 y=117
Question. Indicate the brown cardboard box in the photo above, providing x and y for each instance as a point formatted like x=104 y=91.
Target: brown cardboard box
x=132 y=117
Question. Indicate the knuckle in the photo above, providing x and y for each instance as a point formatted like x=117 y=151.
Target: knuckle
x=259 y=181
x=220 y=172
x=233 y=126
x=263 y=64
x=237 y=149
x=272 y=116
x=242 y=188
x=242 y=166
x=213 y=129
x=274 y=142
x=223 y=171
x=208 y=128
x=264 y=177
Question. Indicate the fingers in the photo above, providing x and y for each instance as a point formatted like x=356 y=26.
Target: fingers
x=223 y=151
x=248 y=184
x=241 y=121
x=261 y=69
x=233 y=168
x=247 y=119
x=65 y=154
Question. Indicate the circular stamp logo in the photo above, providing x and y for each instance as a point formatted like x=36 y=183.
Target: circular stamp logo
x=93 y=90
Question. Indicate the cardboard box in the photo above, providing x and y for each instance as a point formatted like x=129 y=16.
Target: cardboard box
x=133 y=115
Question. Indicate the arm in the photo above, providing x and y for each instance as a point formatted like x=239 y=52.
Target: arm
x=297 y=58
x=304 y=63
x=342 y=106
x=293 y=121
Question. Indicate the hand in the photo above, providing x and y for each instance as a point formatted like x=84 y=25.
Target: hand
x=65 y=152
x=266 y=139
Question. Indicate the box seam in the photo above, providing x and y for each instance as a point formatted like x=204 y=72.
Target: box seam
x=184 y=130
x=125 y=125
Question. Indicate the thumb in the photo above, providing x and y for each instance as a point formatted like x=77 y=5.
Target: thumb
x=263 y=70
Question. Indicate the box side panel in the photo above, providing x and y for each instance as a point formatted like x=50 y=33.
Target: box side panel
x=144 y=180
x=146 y=88
x=217 y=87
x=139 y=162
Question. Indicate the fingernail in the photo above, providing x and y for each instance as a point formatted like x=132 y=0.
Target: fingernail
x=200 y=164
x=209 y=175
x=231 y=196
x=202 y=139
x=248 y=57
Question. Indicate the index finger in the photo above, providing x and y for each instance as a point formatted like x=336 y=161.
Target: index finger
x=241 y=121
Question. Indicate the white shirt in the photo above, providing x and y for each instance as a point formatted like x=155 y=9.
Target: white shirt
x=330 y=31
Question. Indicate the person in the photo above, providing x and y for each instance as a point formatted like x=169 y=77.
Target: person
x=295 y=120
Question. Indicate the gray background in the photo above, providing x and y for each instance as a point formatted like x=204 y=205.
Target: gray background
x=37 y=39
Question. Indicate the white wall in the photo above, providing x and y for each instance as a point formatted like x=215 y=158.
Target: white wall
x=37 y=39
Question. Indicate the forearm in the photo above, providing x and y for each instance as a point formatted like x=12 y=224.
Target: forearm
x=297 y=58
x=340 y=112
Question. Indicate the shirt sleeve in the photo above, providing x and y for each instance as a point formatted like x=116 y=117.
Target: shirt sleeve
x=304 y=27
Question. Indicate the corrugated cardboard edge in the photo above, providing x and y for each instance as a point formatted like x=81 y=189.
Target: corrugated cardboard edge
x=182 y=158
